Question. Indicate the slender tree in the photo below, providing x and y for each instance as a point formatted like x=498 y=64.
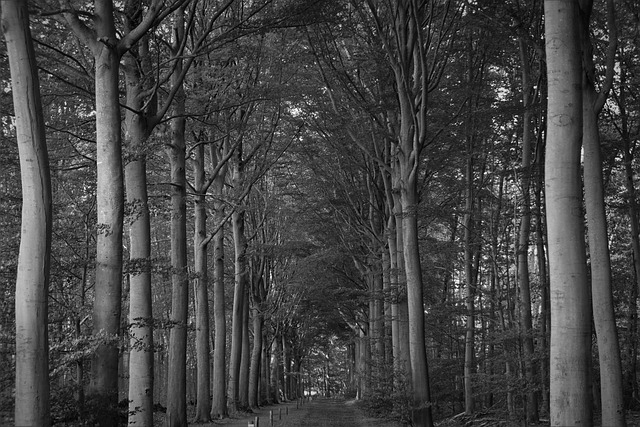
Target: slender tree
x=416 y=69
x=177 y=378
x=140 y=295
x=218 y=398
x=239 y=294
x=200 y=244
x=32 y=282
x=601 y=287
x=528 y=99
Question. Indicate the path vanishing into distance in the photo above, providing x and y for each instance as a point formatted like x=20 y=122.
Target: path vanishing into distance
x=315 y=413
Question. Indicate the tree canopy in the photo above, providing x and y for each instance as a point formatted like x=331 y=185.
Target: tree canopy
x=358 y=198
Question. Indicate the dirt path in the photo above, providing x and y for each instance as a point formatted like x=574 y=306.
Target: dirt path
x=340 y=413
x=317 y=413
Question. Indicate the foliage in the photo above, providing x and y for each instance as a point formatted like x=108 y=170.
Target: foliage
x=306 y=87
x=390 y=396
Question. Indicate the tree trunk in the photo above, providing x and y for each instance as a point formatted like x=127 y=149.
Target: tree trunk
x=601 y=287
x=275 y=370
x=286 y=369
x=421 y=409
x=203 y=379
x=469 y=343
x=218 y=400
x=140 y=311
x=240 y=245
x=265 y=372
x=245 y=362
x=110 y=207
x=522 y=253
x=570 y=400
x=32 y=282
x=378 y=319
x=545 y=318
x=140 y=296
x=602 y=296
x=177 y=377
x=401 y=316
x=632 y=212
x=254 y=373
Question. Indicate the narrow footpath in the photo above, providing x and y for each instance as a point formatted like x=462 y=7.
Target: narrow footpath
x=315 y=413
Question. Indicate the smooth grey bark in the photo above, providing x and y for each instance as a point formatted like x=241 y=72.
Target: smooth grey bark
x=140 y=297
x=136 y=128
x=410 y=50
x=177 y=376
x=545 y=315
x=200 y=244
x=240 y=250
x=259 y=286
x=256 y=353
x=245 y=362
x=218 y=396
x=469 y=342
x=612 y=402
x=522 y=254
x=570 y=402
x=107 y=50
x=32 y=281
x=401 y=312
x=110 y=206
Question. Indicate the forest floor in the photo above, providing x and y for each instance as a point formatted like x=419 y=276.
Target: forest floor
x=322 y=412
x=314 y=413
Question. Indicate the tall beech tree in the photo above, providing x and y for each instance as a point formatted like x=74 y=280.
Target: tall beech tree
x=601 y=287
x=107 y=50
x=136 y=132
x=570 y=402
x=528 y=101
x=240 y=279
x=142 y=116
x=177 y=377
x=110 y=190
x=417 y=68
x=32 y=282
x=218 y=392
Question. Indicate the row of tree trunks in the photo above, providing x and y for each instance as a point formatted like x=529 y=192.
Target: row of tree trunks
x=402 y=172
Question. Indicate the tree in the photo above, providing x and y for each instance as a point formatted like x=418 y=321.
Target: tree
x=412 y=55
x=200 y=243
x=107 y=50
x=32 y=282
x=136 y=127
x=240 y=278
x=601 y=287
x=218 y=398
x=570 y=402
x=177 y=379
x=528 y=100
